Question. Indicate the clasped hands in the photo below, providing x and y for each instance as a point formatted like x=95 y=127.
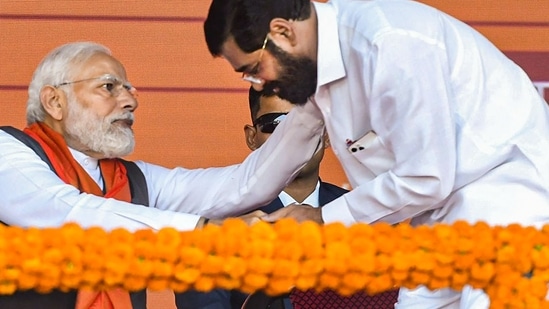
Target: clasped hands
x=299 y=212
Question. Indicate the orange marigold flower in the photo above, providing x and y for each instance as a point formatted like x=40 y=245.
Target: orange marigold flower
x=482 y=272
x=459 y=279
x=291 y=250
x=380 y=284
x=355 y=281
x=285 y=268
x=438 y=283
x=366 y=263
x=254 y=282
x=279 y=285
x=311 y=267
x=329 y=281
x=335 y=232
x=228 y=283
x=192 y=256
x=187 y=275
x=159 y=284
x=178 y=286
x=306 y=282
x=234 y=267
x=212 y=264
x=510 y=262
x=135 y=283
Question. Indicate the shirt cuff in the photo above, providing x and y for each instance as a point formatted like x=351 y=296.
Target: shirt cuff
x=337 y=211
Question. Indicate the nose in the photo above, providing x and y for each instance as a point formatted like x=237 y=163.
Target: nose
x=128 y=99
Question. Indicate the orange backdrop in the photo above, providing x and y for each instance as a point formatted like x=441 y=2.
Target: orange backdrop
x=192 y=107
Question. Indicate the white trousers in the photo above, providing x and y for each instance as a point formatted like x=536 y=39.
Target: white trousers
x=423 y=298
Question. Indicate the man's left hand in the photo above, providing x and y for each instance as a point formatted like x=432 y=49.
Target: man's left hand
x=300 y=213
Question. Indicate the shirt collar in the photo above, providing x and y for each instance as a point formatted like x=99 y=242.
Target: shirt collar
x=329 y=59
x=312 y=199
x=90 y=165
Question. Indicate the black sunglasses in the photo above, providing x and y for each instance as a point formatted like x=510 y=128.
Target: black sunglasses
x=267 y=123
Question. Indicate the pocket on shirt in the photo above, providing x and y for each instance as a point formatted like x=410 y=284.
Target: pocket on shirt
x=370 y=152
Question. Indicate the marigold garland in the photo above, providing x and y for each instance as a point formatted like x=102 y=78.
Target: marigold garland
x=510 y=263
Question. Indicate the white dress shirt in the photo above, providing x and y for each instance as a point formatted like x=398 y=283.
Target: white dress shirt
x=464 y=130
x=312 y=199
x=32 y=195
x=443 y=126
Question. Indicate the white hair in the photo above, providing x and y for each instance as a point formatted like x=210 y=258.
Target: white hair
x=57 y=67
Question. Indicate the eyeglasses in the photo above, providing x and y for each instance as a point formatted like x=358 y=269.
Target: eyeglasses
x=249 y=76
x=112 y=84
x=267 y=123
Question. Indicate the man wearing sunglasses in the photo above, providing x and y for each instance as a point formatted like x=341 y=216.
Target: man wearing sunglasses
x=267 y=112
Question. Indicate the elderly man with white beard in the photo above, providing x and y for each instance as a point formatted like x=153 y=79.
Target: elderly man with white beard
x=65 y=165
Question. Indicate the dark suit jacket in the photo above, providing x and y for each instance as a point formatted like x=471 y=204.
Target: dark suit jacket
x=326 y=193
x=222 y=299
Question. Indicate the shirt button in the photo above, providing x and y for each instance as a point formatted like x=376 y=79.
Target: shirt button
x=86 y=162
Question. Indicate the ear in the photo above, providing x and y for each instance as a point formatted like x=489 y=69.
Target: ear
x=53 y=103
x=282 y=32
x=250 y=133
x=326 y=140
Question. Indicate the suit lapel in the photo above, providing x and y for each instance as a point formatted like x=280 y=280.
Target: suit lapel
x=273 y=206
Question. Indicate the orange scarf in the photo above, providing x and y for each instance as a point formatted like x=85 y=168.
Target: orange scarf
x=116 y=184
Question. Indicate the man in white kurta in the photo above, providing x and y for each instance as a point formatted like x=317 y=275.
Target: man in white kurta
x=31 y=194
x=429 y=119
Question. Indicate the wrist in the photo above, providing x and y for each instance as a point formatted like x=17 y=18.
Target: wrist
x=202 y=222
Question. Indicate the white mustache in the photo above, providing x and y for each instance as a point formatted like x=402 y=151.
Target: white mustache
x=127 y=118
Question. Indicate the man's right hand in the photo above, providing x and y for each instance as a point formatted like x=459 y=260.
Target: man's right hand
x=249 y=218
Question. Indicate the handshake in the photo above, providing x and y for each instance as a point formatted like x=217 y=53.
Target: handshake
x=299 y=212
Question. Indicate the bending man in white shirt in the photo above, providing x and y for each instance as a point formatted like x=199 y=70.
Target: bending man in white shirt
x=428 y=118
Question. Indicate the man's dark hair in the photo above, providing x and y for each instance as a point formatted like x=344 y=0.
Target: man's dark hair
x=247 y=21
